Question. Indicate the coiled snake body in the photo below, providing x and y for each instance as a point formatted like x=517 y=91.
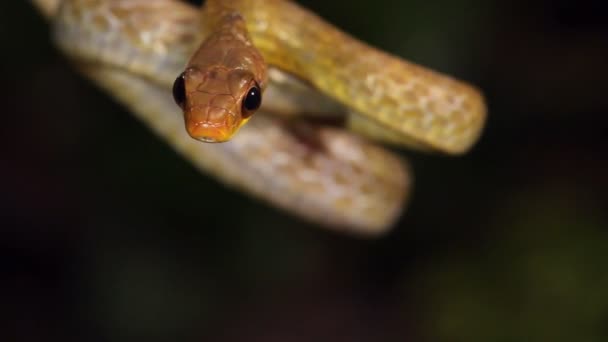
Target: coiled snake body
x=312 y=73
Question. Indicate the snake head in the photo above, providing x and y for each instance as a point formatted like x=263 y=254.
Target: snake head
x=217 y=102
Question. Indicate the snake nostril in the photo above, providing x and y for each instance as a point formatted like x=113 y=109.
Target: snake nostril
x=179 y=90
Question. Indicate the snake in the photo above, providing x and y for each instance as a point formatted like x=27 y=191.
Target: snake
x=272 y=100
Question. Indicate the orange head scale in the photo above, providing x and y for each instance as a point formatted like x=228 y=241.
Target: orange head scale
x=217 y=102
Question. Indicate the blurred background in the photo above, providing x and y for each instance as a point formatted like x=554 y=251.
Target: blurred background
x=107 y=235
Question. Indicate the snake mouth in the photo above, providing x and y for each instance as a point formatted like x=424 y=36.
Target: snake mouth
x=209 y=132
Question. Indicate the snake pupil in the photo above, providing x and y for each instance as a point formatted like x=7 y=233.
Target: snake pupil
x=252 y=101
x=179 y=90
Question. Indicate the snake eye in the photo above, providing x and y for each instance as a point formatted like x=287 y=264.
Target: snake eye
x=179 y=90
x=252 y=100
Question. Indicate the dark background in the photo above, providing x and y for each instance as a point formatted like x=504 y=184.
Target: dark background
x=107 y=235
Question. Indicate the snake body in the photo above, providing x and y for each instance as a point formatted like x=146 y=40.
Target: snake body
x=134 y=49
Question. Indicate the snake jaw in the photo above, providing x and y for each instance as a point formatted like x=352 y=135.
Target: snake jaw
x=208 y=134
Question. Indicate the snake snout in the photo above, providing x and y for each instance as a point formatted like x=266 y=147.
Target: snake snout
x=211 y=124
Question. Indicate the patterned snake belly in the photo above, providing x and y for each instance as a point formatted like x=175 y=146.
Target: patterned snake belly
x=287 y=154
